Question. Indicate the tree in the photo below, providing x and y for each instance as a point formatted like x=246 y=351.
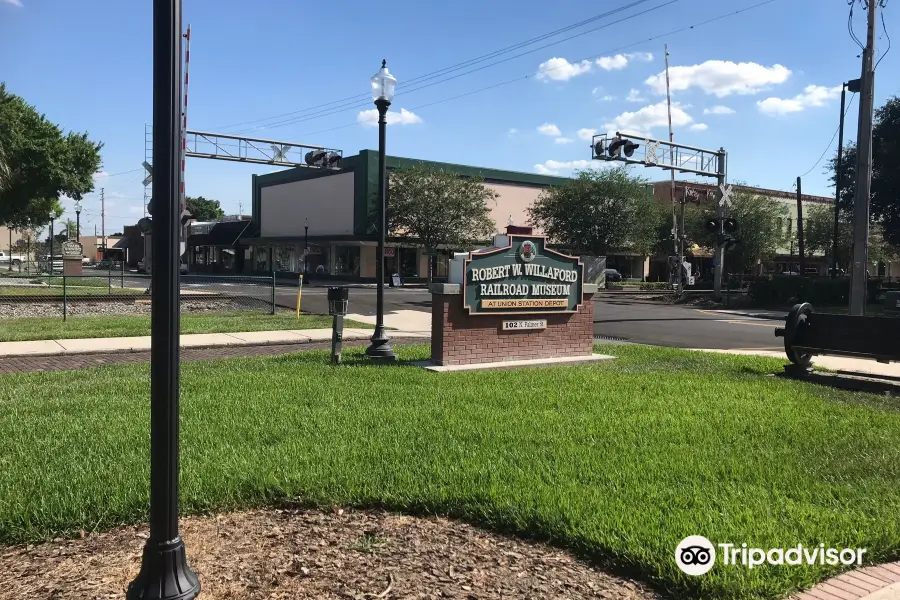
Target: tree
x=599 y=212
x=884 y=204
x=818 y=233
x=43 y=163
x=204 y=209
x=759 y=232
x=434 y=207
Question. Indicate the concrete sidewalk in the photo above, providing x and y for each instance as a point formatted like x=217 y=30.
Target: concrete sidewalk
x=199 y=340
x=835 y=363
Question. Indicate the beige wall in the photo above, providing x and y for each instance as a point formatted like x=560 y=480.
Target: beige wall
x=326 y=201
x=513 y=200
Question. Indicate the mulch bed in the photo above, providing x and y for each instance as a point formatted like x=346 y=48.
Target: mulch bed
x=279 y=554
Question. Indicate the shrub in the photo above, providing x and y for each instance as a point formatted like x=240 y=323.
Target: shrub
x=790 y=289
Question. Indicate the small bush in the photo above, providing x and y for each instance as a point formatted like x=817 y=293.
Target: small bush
x=655 y=285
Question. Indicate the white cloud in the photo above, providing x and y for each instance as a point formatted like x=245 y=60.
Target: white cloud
x=513 y=131
x=643 y=120
x=620 y=61
x=586 y=134
x=13 y=2
x=643 y=56
x=607 y=98
x=718 y=110
x=100 y=175
x=559 y=69
x=610 y=63
x=549 y=129
x=699 y=127
x=634 y=96
x=369 y=117
x=812 y=95
x=721 y=78
x=553 y=167
x=564 y=140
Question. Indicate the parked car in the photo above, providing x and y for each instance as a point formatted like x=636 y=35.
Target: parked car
x=612 y=275
x=105 y=264
x=85 y=260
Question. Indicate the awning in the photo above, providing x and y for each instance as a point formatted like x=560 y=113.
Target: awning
x=122 y=244
x=221 y=234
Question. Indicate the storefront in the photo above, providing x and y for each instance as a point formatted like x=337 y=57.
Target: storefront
x=320 y=221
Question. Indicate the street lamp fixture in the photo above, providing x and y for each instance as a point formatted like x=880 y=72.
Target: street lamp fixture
x=383 y=84
x=78 y=221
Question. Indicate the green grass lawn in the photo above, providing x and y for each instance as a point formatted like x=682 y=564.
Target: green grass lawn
x=54 y=328
x=616 y=461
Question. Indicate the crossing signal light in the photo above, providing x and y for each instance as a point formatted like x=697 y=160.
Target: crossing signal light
x=145 y=224
x=730 y=225
x=620 y=146
x=599 y=149
x=712 y=225
x=333 y=160
x=729 y=241
x=316 y=158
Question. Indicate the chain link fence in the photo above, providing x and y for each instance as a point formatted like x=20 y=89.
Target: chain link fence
x=111 y=292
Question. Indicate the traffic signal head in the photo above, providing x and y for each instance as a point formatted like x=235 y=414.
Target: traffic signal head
x=730 y=225
x=615 y=147
x=145 y=225
x=599 y=148
x=150 y=206
x=712 y=225
x=186 y=216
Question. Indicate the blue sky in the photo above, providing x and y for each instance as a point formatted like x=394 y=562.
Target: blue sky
x=87 y=66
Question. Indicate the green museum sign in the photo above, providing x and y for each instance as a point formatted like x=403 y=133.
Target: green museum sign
x=525 y=277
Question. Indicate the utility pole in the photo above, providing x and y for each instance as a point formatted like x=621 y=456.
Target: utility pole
x=839 y=171
x=863 y=171
x=720 y=213
x=677 y=233
x=800 y=230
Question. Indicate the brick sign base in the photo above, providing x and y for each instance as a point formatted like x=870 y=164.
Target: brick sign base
x=458 y=338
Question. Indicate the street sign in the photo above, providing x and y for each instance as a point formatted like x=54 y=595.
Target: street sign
x=522 y=325
x=149 y=168
x=726 y=195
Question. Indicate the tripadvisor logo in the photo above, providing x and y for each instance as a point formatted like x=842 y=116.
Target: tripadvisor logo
x=696 y=555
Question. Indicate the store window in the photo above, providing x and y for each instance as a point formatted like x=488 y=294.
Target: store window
x=409 y=262
x=317 y=260
x=284 y=255
x=261 y=262
x=346 y=260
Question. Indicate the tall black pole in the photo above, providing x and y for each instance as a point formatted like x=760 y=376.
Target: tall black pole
x=164 y=573
x=10 y=251
x=800 y=230
x=380 y=347
x=50 y=263
x=305 y=245
x=78 y=226
x=838 y=177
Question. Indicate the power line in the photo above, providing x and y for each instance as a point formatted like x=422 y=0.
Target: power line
x=827 y=148
x=530 y=75
x=850 y=26
x=455 y=67
x=366 y=104
x=883 y=26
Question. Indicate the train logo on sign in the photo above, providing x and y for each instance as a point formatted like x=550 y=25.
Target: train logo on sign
x=527 y=251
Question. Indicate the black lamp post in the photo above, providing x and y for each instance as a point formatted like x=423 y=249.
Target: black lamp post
x=305 y=244
x=50 y=263
x=78 y=222
x=164 y=573
x=382 y=92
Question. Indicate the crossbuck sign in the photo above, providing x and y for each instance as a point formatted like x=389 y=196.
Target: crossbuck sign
x=725 y=200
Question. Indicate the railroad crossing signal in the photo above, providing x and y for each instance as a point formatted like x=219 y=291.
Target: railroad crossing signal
x=725 y=200
x=149 y=178
x=728 y=225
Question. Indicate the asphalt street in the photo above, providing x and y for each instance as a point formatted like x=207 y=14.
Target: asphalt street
x=626 y=319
